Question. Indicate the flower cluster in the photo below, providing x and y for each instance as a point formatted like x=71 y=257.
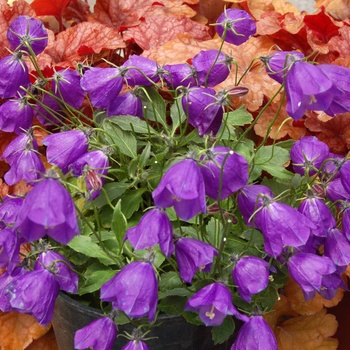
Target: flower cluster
x=158 y=195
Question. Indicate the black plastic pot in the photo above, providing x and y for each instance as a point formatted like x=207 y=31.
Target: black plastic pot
x=172 y=333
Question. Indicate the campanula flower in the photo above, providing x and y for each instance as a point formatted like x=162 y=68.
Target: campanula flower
x=25 y=32
x=182 y=186
x=17 y=145
x=134 y=290
x=308 y=154
x=49 y=112
x=13 y=75
x=345 y=222
x=65 y=147
x=224 y=172
x=213 y=303
x=8 y=210
x=61 y=268
x=181 y=74
x=48 y=209
x=308 y=269
x=192 y=256
x=100 y=334
x=9 y=248
x=135 y=345
x=255 y=334
x=212 y=67
x=128 y=103
x=345 y=176
x=251 y=275
x=337 y=247
x=153 y=228
x=335 y=191
x=239 y=26
x=33 y=293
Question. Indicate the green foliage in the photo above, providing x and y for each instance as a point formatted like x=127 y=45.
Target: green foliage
x=221 y=333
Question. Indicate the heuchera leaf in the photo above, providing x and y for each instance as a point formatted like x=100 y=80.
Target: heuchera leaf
x=339 y=9
x=50 y=8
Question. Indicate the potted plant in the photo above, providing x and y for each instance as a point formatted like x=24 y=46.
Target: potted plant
x=149 y=195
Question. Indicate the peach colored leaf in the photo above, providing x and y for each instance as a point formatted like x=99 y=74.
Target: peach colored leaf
x=283 y=7
x=46 y=342
x=341 y=42
x=17 y=330
x=95 y=37
x=339 y=9
x=161 y=25
x=210 y=9
x=7 y=15
x=4 y=189
x=76 y=12
x=309 y=332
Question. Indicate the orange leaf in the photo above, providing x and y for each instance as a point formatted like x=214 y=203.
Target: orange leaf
x=17 y=330
x=46 y=342
x=339 y=9
x=341 y=42
x=50 y=8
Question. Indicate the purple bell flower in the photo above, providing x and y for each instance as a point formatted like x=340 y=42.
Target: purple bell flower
x=345 y=176
x=192 y=256
x=330 y=285
x=16 y=146
x=13 y=75
x=335 y=191
x=48 y=209
x=255 y=334
x=250 y=199
x=239 y=26
x=308 y=270
x=135 y=345
x=94 y=166
x=308 y=154
x=26 y=31
x=134 y=290
x=141 y=71
x=204 y=109
x=8 y=210
x=9 y=248
x=182 y=186
x=213 y=303
x=307 y=88
x=49 y=112
x=181 y=74
x=345 y=222
x=212 y=66
x=224 y=172
x=337 y=247
x=66 y=85
x=154 y=227
x=251 y=276
x=278 y=63
x=100 y=334
x=16 y=115
x=102 y=84
x=282 y=225
x=128 y=103
x=61 y=268
x=65 y=147
x=33 y=293
x=317 y=211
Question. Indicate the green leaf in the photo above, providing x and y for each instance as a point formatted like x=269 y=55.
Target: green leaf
x=114 y=190
x=85 y=245
x=239 y=117
x=177 y=115
x=119 y=223
x=221 y=333
x=182 y=292
x=95 y=280
x=131 y=123
x=131 y=201
x=173 y=305
x=144 y=157
x=170 y=280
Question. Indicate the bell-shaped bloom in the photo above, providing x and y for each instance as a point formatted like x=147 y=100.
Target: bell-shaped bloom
x=308 y=270
x=25 y=31
x=308 y=154
x=282 y=225
x=224 y=172
x=65 y=147
x=340 y=76
x=153 y=228
x=61 y=268
x=141 y=71
x=331 y=166
x=100 y=334
x=250 y=199
x=182 y=186
x=345 y=222
x=13 y=75
x=48 y=111
x=9 y=209
x=48 y=209
x=181 y=74
x=317 y=211
x=16 y=146
x=66 y=86
x=335 y=191
x=204 y=109
x=213 y=303
x=128 y=103
x=212 y=67
x=134 y=290
x=255 y=334
x=16 y=115
x=337 y=247
x=33 y=293
x=345 y=176
x=331 y=284
x=27 y=166
x=102 y=84
x=94 y=167
x=135 y=345
x=239 y=26
x=278 y=63
x=307 y=88
x=192 y=256
x=251 y=276
x=9 y=248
